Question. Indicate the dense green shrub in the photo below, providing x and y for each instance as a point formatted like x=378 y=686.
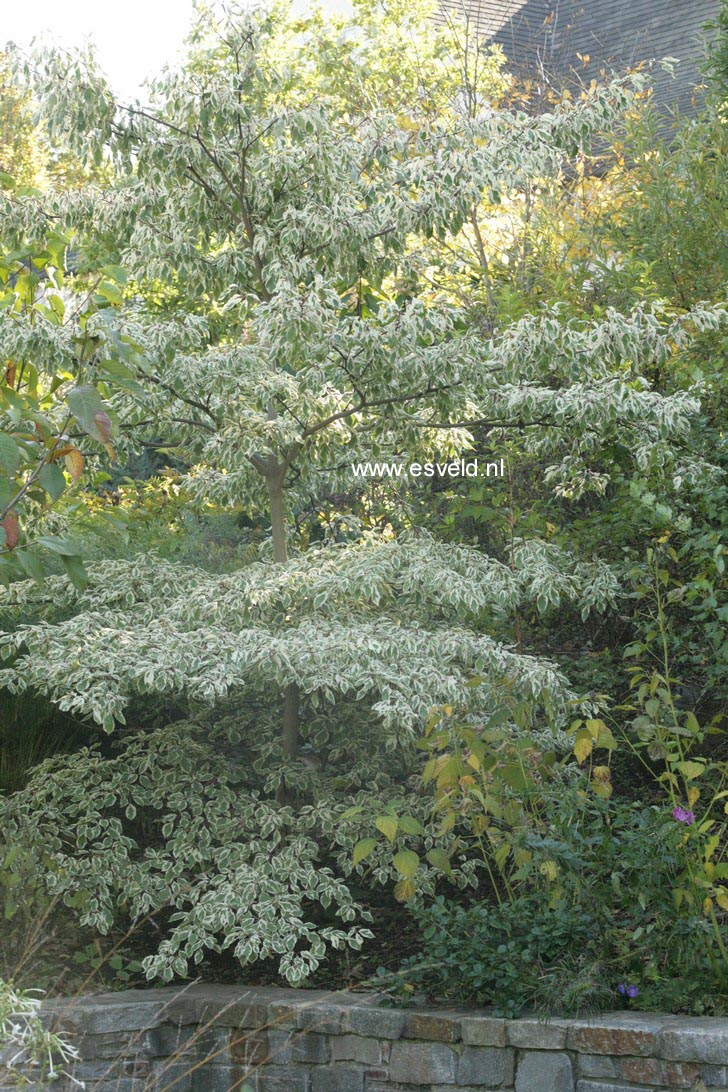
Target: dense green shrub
x=497 y=955
x=607 y=918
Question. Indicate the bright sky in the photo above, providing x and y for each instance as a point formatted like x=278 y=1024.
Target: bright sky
x=133 y=39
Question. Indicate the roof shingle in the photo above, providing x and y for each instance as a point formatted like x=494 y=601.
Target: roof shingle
x=548 y=35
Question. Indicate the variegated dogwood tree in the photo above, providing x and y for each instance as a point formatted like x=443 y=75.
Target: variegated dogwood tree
x=299 y=335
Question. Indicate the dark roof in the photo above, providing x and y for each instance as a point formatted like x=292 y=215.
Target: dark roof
x=546 y=36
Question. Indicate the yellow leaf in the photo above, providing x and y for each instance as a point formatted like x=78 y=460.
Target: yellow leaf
x=404 y=891
x=711 y=845
x=583 y=745
x=74 y=463
x=387 y=824
x=594 y=727
x=429 y=771
x=549 y=869
x=448 y=770
x=406 y=862
x=602 y=781
x=691 y=769
x=707 y=906
x=722 y=898
x=362 y=849
x=693 y=796
x=432 y=721
x=522 y=857
x=407 y=123
x=501 y=855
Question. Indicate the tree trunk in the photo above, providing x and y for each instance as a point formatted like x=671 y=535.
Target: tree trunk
x=291 y=695
x=274 y=481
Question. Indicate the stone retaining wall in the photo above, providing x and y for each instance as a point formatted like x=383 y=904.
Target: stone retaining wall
x=208 y=1038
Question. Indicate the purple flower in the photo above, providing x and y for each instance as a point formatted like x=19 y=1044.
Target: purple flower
x=627 y=991
x=683 y=815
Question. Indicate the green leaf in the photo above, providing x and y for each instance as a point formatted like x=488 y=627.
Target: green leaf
x=362 y=849
x=691 y=770
x=116 y=372
x=53 y=480
x=406 y=862
x=606 y=739
x=75 y=571
x=110 y=291
x=9 y=454
x=84 y=402
x=388 y=825
x=409 y=825
x=115 y=273
x=439 y=859
x=515 y=777
x=13 y=398
x=87 y=407
x=350 y=812
x=59 y=546
x=31 y=565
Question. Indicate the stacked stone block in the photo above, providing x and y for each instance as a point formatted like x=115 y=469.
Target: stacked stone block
x=208 y=1038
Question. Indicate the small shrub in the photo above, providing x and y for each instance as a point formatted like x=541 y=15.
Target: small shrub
x=498 y=955
x=26 y=1045
x=603 y=915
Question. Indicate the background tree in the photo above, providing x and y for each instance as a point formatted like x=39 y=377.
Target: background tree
x=20 y=154
x=52 y=331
